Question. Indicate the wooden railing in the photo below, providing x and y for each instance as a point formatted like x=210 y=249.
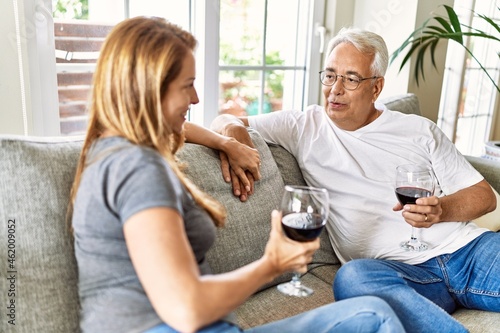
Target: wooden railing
x=77 y=45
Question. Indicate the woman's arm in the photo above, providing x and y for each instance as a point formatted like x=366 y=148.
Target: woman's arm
x=165 y=264
x=240 y=161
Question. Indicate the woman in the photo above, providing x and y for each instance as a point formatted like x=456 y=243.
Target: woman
x=142 y=229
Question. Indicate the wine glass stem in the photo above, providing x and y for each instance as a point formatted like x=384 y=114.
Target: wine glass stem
x=296 y=280
x=413 y=238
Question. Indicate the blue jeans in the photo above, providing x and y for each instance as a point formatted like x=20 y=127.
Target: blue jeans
x=424 y=295
x=362 y=314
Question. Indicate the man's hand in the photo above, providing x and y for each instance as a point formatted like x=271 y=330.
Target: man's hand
x=464 y=205
x=240 y=162
x=243 y=187
x=426 y=212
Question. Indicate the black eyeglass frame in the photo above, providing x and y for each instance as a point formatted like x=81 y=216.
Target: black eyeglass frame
x=361 y=79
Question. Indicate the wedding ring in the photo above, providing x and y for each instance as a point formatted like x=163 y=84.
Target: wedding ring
x=425 y=218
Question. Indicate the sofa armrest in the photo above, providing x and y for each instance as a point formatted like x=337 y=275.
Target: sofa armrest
x=491 y=172
x=488 y=168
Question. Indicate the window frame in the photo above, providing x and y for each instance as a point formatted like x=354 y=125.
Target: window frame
x=206 y=14
x=40 y=76
x=452 y=116
x=35 y=36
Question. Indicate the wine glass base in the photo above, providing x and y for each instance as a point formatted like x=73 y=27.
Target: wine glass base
x=294 y=289
x=413 y=246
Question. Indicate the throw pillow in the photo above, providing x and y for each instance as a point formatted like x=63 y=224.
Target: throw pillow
x=492 y=219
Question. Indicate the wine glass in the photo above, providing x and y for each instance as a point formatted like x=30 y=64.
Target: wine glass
x=413 y=181
x=304 y=214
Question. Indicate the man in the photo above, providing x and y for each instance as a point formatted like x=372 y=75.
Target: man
x=352 y=146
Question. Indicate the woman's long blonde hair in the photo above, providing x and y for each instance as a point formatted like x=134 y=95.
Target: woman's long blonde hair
x=139 y=59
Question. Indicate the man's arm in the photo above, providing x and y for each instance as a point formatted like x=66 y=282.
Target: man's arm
x=469 y=203
x=226 y=122
x=242 y=159
x=464 y=205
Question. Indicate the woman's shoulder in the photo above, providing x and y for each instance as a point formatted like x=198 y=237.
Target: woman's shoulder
x=118 y=148
x=119 y=156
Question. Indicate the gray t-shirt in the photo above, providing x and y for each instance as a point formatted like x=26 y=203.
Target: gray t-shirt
x=121 y=180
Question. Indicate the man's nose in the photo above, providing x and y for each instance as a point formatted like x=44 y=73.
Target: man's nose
x=337 y=86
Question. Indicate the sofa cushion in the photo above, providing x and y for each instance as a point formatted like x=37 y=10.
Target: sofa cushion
x=292 y=175
x=489 y=170
x=271 y=305
x=491 y=220
x=477 y=321
x=35 y=180
x=245 y=235
x=406 y=103
x=243 y=238
x=288 y=166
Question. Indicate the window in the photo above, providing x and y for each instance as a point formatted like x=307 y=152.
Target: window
x=80 y=27
x=77 y=45
x=469 y=97
x=261 y=65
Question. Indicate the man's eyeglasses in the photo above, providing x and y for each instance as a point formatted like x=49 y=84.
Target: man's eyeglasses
x=350 y=82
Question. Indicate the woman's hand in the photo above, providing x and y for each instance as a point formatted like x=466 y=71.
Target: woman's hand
x=285 y=254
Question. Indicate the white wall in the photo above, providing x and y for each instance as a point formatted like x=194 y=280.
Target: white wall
x=394 y=20
x=30 y=105
x=429 y=91
x=11 y=120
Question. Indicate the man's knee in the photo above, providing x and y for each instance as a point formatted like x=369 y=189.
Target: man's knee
x=365 y=277
x=347 y=279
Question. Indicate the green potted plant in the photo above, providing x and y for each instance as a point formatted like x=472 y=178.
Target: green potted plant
x=437 y=28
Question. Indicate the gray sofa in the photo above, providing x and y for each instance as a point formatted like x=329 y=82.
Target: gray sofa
x=38 y=284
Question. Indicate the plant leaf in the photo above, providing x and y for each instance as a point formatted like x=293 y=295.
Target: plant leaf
x=445 y=24
x=454 y=21
x=490 y=21
x=419 y=65
x=455 y=35
x=415 y=46
x=426 y=38
x=434 y=44
x=417 y=43
x=481 y=35
x=438 y=29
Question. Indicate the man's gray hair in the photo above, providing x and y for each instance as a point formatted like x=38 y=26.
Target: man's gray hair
x=366 y=42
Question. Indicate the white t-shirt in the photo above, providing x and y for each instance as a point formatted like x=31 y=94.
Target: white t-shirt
x=358 y=170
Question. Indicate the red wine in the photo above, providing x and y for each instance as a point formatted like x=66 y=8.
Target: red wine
x=302 y=227
x=408 y=195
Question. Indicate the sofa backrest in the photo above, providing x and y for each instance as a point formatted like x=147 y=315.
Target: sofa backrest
x=35 y=181
x=245 y=235
x=406 y=103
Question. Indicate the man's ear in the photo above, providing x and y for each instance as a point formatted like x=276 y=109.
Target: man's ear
x=377 y=88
